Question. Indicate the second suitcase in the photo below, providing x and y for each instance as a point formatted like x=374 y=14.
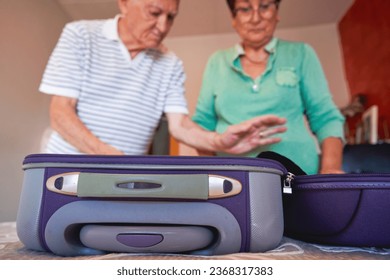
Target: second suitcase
x=339 y=209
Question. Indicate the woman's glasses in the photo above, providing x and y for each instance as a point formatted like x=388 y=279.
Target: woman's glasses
x=265 y=10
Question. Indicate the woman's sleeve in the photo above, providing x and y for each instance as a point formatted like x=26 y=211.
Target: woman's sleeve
x=324 y=117
x=205 y=114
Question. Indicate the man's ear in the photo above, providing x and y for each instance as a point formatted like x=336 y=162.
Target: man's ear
x=234 y=22
x=122 y=5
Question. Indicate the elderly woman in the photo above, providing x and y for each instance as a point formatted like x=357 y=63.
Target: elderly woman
x=266 y=75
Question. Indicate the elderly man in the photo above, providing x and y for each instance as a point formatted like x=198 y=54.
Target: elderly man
x=111 y=81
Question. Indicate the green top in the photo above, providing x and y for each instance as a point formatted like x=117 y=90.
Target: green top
x=292 y=86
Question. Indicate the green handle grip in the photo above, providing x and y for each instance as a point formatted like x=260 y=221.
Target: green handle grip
x=188 y=186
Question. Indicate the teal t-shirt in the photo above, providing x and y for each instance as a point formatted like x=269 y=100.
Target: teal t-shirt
x=292 y=86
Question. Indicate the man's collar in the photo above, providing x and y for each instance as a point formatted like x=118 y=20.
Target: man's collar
x=110 y=29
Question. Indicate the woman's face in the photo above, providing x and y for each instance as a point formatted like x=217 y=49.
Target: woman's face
x=255 y=21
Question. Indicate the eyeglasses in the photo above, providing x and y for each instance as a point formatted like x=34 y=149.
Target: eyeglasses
x=265 y=10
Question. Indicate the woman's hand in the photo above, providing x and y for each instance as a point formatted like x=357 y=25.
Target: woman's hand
x=332 y=156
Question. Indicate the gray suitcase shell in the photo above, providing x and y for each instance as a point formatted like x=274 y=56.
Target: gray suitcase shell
x=83 y=205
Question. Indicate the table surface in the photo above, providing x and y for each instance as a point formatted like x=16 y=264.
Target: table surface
x=289 y=249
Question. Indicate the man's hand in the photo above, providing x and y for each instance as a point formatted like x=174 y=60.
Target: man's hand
x=237 y=139
x=248 y=135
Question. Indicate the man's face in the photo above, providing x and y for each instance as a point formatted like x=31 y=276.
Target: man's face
x=145 y=23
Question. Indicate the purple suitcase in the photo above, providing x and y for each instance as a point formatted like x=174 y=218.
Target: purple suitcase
x=343 y=209
x=81 y=205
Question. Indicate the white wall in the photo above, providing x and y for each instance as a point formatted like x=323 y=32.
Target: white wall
x=195 y=51
x=29 y=30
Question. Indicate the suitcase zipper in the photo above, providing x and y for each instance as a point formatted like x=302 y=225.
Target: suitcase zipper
x=289 y=177
x=331 y=178
x=369 y=177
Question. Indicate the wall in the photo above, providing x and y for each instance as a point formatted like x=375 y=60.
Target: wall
x=29 y=30
x=365 y=37
x=195 y=51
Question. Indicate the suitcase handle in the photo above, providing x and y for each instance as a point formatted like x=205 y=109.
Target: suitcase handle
x=146 y=238
x=179 y=186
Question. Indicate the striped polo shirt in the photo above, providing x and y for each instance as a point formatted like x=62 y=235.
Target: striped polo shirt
x=120 y=99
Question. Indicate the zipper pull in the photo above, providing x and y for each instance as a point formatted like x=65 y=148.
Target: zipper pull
x=287 y=183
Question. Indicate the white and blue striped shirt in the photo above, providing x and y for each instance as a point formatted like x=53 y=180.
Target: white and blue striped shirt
x=120 y=99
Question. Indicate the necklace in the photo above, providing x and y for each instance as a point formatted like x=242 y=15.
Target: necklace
x=260 y=61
